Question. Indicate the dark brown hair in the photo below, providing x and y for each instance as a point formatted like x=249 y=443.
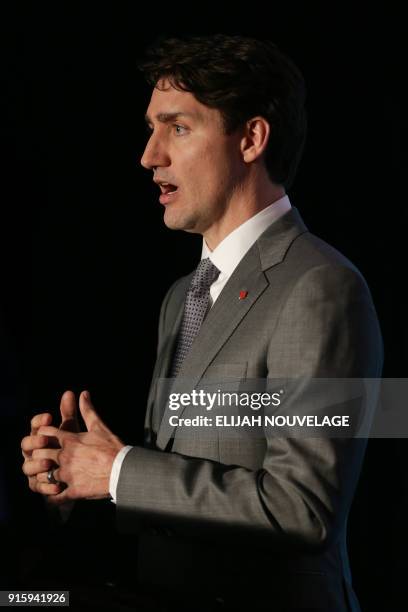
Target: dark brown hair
x=241 y=77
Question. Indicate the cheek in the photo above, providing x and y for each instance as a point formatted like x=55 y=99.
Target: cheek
x=207 y=170
x=211 y=169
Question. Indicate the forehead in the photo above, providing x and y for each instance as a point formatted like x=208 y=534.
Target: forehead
x=167 y=100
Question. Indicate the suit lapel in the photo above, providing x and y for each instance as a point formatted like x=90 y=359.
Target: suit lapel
x=228 y=310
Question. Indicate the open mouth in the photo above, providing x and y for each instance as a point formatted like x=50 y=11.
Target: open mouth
x=168 y=192
x=168 y=188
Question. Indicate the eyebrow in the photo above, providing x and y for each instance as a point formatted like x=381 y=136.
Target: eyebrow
x=167 y=117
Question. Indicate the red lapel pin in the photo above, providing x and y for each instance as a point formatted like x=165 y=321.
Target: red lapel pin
x=242 y=295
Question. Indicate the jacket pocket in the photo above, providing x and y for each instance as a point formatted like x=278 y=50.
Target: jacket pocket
x=226 y=371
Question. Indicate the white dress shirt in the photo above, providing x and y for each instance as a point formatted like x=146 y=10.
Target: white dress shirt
x=226 y=256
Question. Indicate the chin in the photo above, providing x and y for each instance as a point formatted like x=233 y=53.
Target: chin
x=175 y=221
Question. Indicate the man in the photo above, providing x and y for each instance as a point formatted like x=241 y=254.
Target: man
x=234 y=519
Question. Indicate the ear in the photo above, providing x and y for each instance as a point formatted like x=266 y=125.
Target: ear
x=255 y=138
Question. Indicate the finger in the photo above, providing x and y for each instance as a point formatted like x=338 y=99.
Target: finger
x=44 y=418
x=44 y=488
x=52 y=432
x=29 y=443
x=49 y=489
x=60 y=498
x=33 y=468
x=89 y=414
x=42 y=477
x=69 y=412
x=52 y=454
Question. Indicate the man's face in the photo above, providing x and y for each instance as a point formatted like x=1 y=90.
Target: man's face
x=189 y=150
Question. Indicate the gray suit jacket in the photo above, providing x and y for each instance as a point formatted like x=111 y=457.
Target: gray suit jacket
x=266 y=516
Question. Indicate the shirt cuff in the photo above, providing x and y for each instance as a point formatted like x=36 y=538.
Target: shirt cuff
x=114 y=477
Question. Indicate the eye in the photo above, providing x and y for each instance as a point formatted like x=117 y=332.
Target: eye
x=179 y=129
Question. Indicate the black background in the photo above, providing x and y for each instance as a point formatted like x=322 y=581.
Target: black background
x=86 y=258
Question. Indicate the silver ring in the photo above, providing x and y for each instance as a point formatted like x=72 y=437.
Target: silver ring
x=50 y=477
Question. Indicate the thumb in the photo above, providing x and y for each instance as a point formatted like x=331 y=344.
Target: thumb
x=69 y=412
x=89 y=414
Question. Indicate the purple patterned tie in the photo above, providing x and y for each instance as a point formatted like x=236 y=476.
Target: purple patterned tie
x=195 y=309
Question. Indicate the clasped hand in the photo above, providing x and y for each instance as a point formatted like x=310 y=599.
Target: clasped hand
x=82 y=460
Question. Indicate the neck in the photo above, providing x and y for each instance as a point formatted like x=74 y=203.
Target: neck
x=240 y=209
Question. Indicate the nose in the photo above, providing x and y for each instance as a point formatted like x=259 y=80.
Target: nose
x=154 y=154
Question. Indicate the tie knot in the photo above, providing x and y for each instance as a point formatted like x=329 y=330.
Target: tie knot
x=205 y=274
